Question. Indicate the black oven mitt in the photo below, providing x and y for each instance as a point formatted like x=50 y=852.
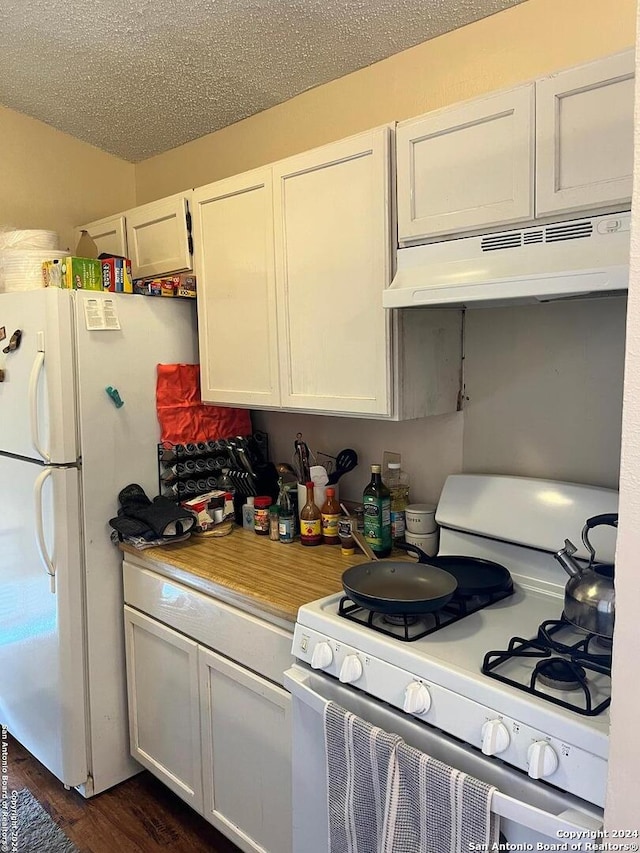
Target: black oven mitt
x=160 y=518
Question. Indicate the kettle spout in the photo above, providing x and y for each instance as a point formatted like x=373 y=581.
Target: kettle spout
x=565 y=558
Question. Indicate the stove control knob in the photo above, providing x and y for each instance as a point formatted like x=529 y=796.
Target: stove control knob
x=322 y=656
x=495 y=737
x=417 y=699
x=351 y=669
x=543 y=760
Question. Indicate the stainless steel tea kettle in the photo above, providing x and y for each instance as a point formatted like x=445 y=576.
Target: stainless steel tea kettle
x=589 y=596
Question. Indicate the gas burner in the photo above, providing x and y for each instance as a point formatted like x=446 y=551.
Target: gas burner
x=602 y=645
x=409 y=627
x=534 y=666
x=560 y=674
x=407 y=619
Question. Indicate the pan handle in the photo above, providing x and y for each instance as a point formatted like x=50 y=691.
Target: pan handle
x=413 y=549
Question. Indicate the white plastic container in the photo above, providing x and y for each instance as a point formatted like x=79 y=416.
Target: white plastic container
x=21 y=269
x=420 y=518
x=427 y=542
x=398 y=484
x=248 y=513
x=319 y=495
x=32 y=238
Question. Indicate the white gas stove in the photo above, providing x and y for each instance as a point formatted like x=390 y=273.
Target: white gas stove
x=557 y=733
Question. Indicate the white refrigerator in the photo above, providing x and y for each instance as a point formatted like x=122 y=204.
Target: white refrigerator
x=66 y=451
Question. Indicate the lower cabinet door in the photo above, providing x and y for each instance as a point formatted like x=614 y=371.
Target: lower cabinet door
x=164 y=712
x=246 y=755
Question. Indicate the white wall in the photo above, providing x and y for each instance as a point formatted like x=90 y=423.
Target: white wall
x=431 y=448
x=544 y=384
x=623 y=809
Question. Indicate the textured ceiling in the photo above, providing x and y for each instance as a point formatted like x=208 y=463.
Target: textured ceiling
x=137 y=77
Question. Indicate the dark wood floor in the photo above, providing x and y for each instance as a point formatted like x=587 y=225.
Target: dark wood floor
x=138 y=816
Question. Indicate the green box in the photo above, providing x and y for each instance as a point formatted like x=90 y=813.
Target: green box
x=81 y=274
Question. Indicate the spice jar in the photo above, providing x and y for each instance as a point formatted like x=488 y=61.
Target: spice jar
x=274 y=530
x=347 y=542
x=261 y=506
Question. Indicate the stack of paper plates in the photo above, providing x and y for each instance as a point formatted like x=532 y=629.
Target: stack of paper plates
x=21 y=269
x=33 y=238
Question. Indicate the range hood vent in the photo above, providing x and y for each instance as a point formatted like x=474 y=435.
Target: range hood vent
x=568 y=231
x=563 y=260
x=550 y=234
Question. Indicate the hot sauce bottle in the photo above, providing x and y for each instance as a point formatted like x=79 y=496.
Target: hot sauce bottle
x=310 y=520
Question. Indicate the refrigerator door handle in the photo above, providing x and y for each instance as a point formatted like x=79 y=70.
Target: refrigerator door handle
x=40 y=540
x=36 y=370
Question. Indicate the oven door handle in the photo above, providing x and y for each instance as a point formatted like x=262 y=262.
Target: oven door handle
x=570 y=824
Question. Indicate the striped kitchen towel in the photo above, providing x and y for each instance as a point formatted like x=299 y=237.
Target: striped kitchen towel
x=387 y=797
x=360 y=760
x=433 y=808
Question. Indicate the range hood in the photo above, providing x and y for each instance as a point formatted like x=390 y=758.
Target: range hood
x=565 y=260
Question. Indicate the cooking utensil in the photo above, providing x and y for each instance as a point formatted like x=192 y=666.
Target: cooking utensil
x=243 y=454
x=286 y=472
x=327 y=461
x=362 y=542
x=346 y=461
x=394 y=586
x=474 y=575
x=589 y=596
x=302 y=454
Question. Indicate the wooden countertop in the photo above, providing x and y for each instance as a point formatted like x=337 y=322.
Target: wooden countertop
x=250 y=571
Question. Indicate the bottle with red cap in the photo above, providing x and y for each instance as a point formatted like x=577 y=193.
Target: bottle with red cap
x=261 y=505
x=310 y=520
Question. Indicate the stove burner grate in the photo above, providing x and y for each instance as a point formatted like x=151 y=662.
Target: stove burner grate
x=562 y=673
x=409 y=627
x=585 y=647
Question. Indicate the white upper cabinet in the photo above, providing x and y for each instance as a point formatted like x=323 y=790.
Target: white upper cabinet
x=291 y=263
x=159 y=236
x=584 y=136
x=234 y=262
x=466 y=167
x=108 y=234
x=332 y=229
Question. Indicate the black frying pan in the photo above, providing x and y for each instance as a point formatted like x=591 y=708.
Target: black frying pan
x=393 y=586
x=474 y=575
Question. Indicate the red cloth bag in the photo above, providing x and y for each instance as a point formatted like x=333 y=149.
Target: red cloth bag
x=182 y=415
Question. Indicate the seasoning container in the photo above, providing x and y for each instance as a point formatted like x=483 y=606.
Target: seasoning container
x=287 y=528
x=274 y=529
x=347 y=542
x=248 y=514
x=377 y=514
x=330 y=513
x=261 y=506
x=310 y=520
x=286 y=516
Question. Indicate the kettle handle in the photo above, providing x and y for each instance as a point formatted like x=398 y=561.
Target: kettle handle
x=608 y=518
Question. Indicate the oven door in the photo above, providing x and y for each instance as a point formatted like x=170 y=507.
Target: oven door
x=531 y=812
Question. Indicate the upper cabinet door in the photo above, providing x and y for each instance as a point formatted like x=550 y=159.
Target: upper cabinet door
x=466 y=167
x=109 y=235
x=159 y=236
x=584 y=136
x=233 y=224
x=332 y=227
